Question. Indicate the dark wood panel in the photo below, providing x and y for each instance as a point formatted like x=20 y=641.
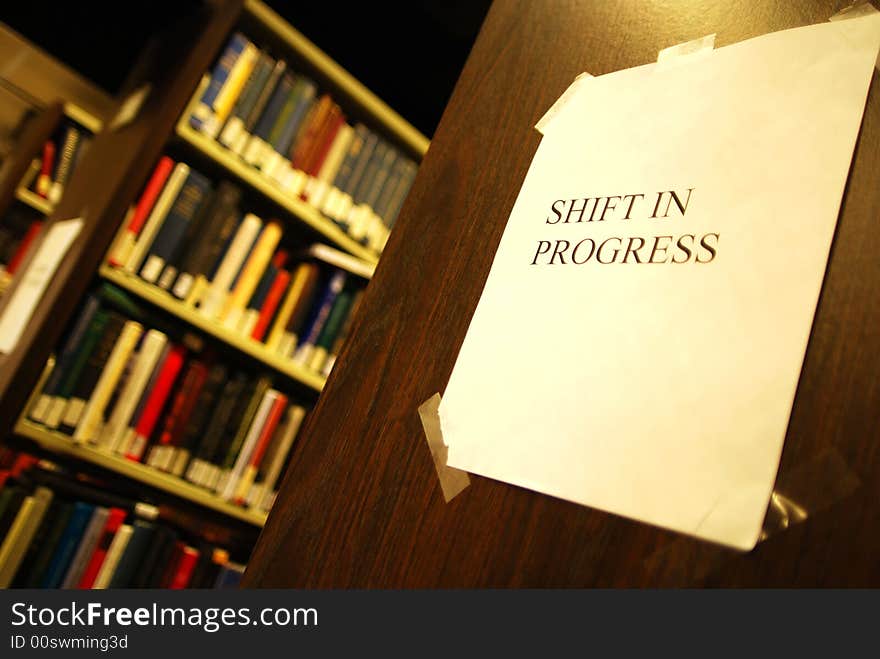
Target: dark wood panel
x=105 y=183
x=360 y=505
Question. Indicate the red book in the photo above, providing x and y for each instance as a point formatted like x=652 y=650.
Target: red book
x=142 y=211
x=263 y=441
x=184 y=403
x=185 y=566
x=24 y=246
x=270 y=305
x=280 y=258
x=44 y=179
x=114 y=521
x=327 y=141
x=153 y=407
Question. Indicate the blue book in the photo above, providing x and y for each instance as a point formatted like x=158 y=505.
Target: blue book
x=141 y=536
x=318 y=317
x=302 y=98
x=204 y=111
x=192 y=194
x=229 y=576
x=82 y=513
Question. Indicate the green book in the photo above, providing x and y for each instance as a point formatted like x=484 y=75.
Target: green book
x=337 y=317
x=260 y=390
x=286 y=111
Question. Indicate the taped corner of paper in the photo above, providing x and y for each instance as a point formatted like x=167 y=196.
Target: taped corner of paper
x=452 y=481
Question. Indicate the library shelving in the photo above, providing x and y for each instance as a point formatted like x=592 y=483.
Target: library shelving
x=108 y=182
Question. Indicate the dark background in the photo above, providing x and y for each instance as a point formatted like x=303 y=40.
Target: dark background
x=408 y=53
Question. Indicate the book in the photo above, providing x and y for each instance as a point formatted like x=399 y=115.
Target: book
x=207 y=235
x=231 y=90
x=298 y=286
x=114 y=553
x=40 y=408
x=343 y=335
x=235 y=435
x=124 y=246
x=210 y=561
x=66 y=545
x=246 y=99
x=44 y=179
x=281 y=130
x=203 y=118
x=333 y=326
x=37 y=562
x=86 y=547
x=400 y=192
x=27 y=243
x=251 y=456
x=85 y=384
x=217 y=292
x=155 y=402
x=319 y=185
x=134 y=553
x=248 y=319
x=115 y=518
x=242 y=140
x=334 y=199
x=91 y=423
x=319 y=316
x=184 y=568
x=323 y=140
x=197 y=422
x=276 y=458
x=157 y=216
x=22 y=531
x=154 y=557
x=265 y=419
x=270 y=306
x=251 y=273
x=258 y=146
x=65 y=163
x=230 y=406
x=174 y=227
x=123 y=446
x=146 y=360
x=229 y=577
x=163 y=452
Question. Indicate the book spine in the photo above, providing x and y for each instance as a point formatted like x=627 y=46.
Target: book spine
x=171 y=233
x=156 y=401
x=66 y=545
x=197 y=423
x=122 y=250
x=114 y=553
x=86 y=547
x=25 y=246
x=223 y=464
x=300 y=313
x=44 y=179
x=114 y=521
x=148 y=356
x=243 y=455
x=273 y=299
x=246 y=100
x=319 y=187
x=248 y=319
x=133 y=555
x=331 y=329
x=91 y=423
x=242 y=140
x=215 y=296
x=276 y=462
x=157 y=217
x=251 y=273
x=22 y=532
x=248 y=463
x=184 y=406
x=232 y=89
x=230 y=399
x=185 y=566
x=321 y=312
x=343 y=335
x=258 y=145
x=203 y=114
x=65 y=161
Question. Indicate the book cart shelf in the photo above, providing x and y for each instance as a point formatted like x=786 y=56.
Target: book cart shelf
x=177 y=70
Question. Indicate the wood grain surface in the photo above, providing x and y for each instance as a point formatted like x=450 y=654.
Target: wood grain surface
x=360 y=505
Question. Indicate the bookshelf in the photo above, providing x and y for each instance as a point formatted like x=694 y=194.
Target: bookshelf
x=389 y=527
x=62 y=445
x=167 y=302
x=110 y=180
x=33 y=200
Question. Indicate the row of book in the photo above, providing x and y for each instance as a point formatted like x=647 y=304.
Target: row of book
x=189 y=238
x=19 y=227
x=51 y=171
x=56 y=532
x=124 y=387
x=277 y=121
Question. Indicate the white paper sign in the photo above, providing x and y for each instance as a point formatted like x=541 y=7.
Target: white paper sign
x=39 y=273
x=639 y=339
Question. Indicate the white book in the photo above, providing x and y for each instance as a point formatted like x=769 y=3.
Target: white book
x=90 y=423
x=320 y=184
x=215 y=296
x=227 y=491
x=278 y=458
x=157 y=217
x=147 y=357
x=117 y=547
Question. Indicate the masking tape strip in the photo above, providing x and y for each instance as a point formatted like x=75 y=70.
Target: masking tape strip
x=807 y=490
x=561 y=102
x=452 y=481
x=693 y=47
